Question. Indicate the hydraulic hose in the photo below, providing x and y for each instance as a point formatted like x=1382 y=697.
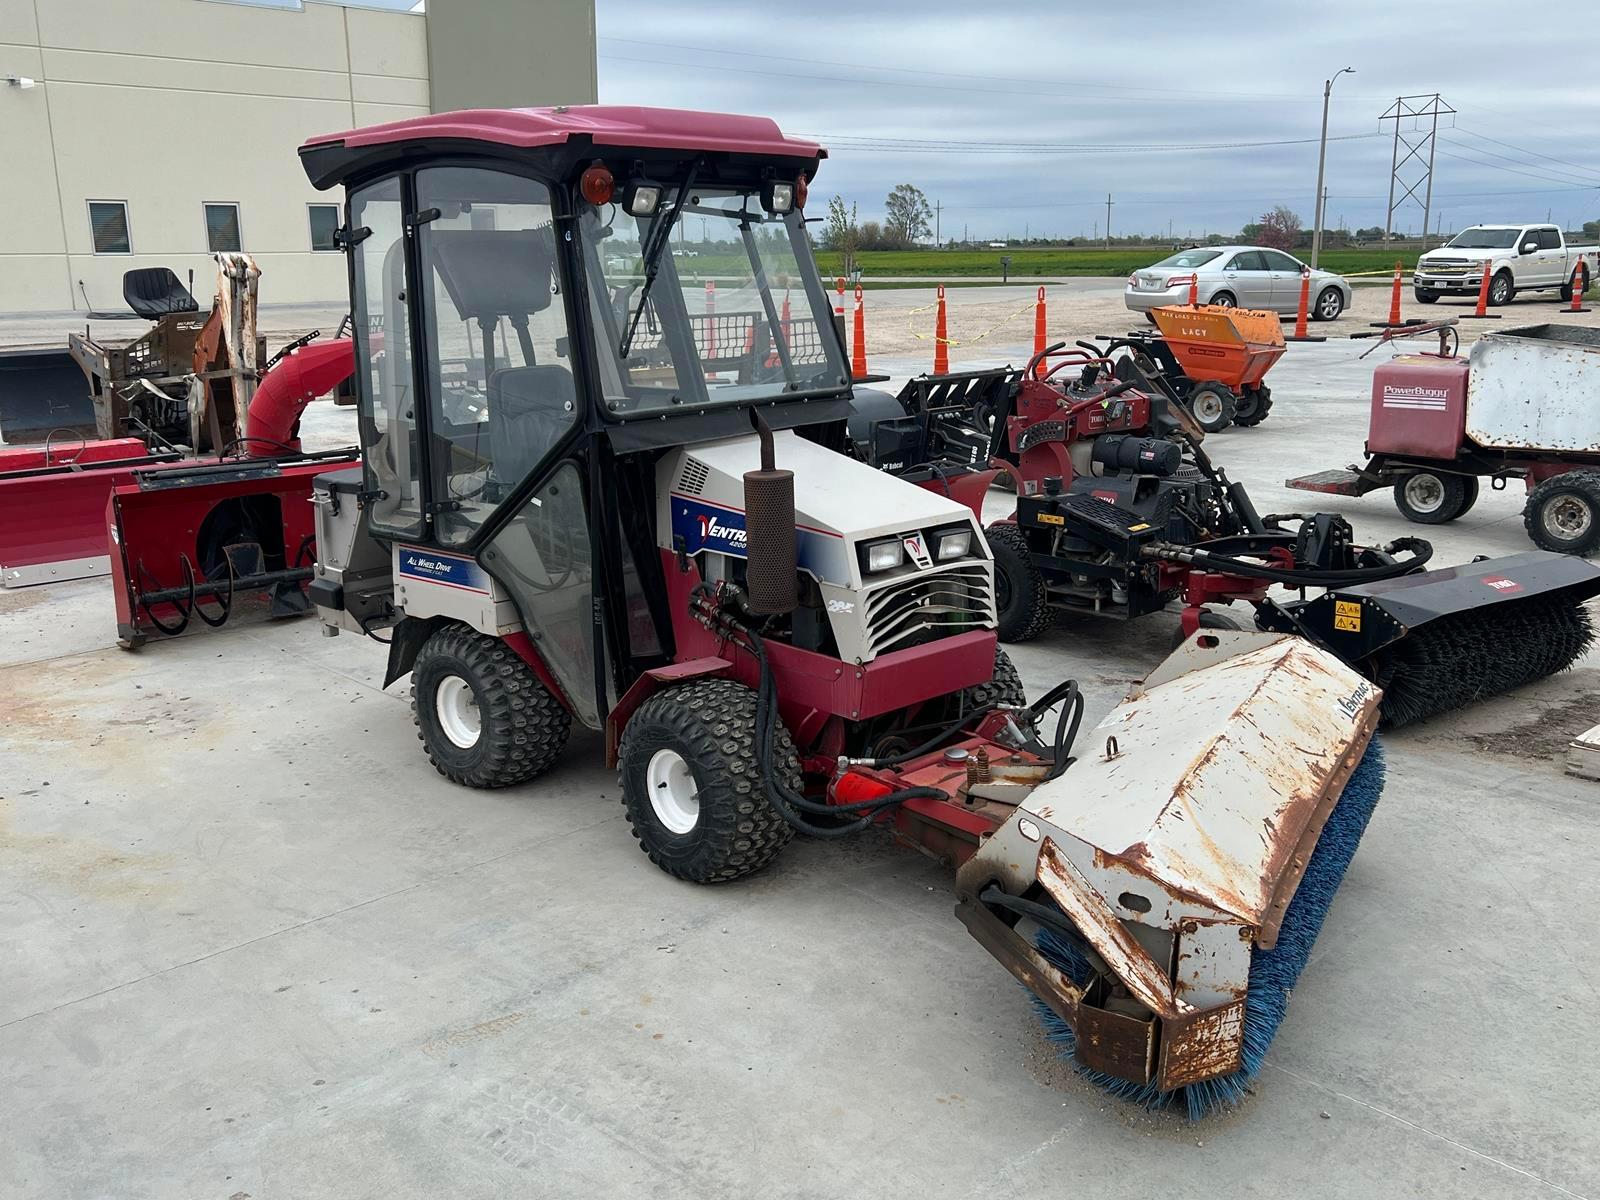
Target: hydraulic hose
x=1419 y=550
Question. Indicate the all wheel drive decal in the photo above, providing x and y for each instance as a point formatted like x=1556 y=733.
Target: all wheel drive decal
x=706 y=526
x=451 y=570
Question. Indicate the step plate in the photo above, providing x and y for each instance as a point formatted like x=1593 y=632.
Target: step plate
x=1334 y=483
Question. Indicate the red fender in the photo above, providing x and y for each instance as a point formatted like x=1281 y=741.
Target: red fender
x=969 y=488
x=273 y=424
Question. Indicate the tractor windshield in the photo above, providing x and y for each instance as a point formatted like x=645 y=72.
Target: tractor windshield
x=736 y=312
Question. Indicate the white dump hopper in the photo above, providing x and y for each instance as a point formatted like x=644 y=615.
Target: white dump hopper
x=1536 y=389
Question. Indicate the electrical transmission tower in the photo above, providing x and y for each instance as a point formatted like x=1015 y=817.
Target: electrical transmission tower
x=1423 y=113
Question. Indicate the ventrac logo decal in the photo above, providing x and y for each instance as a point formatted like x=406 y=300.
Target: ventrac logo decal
x=1352 y=704
x=917 y=550
x=1501 y=584
x=1426 y=398
x=713 y=530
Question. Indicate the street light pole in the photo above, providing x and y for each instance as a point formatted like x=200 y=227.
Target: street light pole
x=1322 y=159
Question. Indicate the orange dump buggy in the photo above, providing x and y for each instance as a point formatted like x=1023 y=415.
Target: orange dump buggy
x=1210 y=358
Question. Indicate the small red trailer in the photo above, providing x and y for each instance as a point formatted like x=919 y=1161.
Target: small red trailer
x=1525 y=404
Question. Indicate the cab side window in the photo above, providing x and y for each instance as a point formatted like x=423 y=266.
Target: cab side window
x=1549 y=239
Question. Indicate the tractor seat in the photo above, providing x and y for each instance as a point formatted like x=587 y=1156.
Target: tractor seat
x=530 y=410
x=155 y=292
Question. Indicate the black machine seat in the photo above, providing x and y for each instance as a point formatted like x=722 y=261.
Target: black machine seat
x=155 y=292
x=530 y=409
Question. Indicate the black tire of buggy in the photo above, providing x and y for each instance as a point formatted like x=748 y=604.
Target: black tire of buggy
x=1458 y=497
x=1027 y=612
x=1584 y=485
x=1228 y=406
x=1252 y=407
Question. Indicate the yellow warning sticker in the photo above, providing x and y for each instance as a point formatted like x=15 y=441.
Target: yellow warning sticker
x=1139 y=526
x=1051 y=519
x=1347 y=615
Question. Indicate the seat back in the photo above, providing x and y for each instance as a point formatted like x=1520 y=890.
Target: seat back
x=155 y=292
x=530 y=409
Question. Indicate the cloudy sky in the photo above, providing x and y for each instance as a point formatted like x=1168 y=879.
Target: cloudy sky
x=1024 y=115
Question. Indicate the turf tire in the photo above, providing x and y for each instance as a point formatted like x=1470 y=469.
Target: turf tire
x=1457 y=494
x=1021 y=597
x=522 y=727
x=1004 y=686
x=1219 y=412
x=711 y=724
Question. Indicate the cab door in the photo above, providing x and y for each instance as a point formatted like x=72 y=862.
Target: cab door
x=1552 y=255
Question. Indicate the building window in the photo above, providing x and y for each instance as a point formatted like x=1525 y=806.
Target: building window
x=222 y=228
x=108 y=226
x=324 y=220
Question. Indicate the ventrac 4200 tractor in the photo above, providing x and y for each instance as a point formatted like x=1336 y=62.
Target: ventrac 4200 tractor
x=586 y=495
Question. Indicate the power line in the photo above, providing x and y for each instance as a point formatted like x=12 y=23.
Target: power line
x=854 y=142
x=1522 y=150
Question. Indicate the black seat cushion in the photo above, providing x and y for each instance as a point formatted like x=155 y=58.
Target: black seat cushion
x=155 y=292
x=530 y=409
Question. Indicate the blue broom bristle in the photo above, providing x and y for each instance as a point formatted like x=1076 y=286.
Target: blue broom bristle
x=1272 y=972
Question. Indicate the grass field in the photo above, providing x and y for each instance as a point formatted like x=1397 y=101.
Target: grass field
x=952 y=264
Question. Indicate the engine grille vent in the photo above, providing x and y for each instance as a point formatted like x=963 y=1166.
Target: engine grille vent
x=692 y=479
x=925 y=607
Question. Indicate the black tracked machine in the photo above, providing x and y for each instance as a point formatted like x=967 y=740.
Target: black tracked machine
x=1121 y=513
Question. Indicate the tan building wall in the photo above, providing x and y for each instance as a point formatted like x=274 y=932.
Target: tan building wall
x=169 y=104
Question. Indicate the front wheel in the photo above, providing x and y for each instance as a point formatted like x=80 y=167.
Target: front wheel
x=1330 y=303
x=482 y=715
x=691 y=782
x=1021 y=598
x=1425 y=297
x=1213 y=407
x=1253 y=406
x=1502 y=289
x=1431 y=498
x=1563 y=513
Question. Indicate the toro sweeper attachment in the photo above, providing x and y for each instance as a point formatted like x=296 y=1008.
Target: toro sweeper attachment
x=1209 y=358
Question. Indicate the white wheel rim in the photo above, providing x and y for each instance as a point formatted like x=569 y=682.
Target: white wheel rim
x=456 y=706
x=1567 y=517
x=1424 y=493
x=674 y=795
x=1329 y=308
x=1223 y=301
x=1208 y=406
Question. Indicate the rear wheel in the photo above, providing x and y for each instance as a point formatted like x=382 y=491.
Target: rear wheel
x=1020 y=595
x=1330 y=303
x=1253 y=406
x=1213 y=407
x=482 y=715
x=1563 y=513
x=691 y=782
x=1583 y=284
x=1224 y=300
x=1434 y=498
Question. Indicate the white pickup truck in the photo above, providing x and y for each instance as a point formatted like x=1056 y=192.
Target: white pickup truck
x=1521 y=257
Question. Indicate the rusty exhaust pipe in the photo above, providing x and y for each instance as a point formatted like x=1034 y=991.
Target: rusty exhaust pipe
x=772 y=562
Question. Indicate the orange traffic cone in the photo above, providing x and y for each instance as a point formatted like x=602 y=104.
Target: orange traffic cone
x=1580 y=284
x=941 y=340
x=858 y=351
x=1482 y=313
x=709 y=350
x=1304 y=312
x=839 y=308
x=1038 y=325
x=1194 y=290
x=1395 y=321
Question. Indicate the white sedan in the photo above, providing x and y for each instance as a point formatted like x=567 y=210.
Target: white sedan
x=1237 y=277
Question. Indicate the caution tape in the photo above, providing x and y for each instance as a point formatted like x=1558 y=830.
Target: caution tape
x=949 y=341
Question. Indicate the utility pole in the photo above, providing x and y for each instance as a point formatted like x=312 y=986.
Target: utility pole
x=938 y=211
x=1108 y=220
x=1322 y=159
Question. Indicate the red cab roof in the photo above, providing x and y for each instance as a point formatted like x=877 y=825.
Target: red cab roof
x=604 y=124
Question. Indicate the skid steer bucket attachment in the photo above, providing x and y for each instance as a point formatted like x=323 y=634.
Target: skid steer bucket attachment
x=1440 y=640
x=1161 y=895
x=43 y=392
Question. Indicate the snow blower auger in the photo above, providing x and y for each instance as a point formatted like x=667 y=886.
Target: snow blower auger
x=579 y=503
x=1121 y=513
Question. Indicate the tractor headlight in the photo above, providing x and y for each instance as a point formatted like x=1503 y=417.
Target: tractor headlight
x=641 y=198
x=955 y=544
x=885 y=555
x=777 y=197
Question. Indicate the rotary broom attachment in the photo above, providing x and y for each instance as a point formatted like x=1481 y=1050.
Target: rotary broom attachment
x=1161 y=896
x=1441 y=640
